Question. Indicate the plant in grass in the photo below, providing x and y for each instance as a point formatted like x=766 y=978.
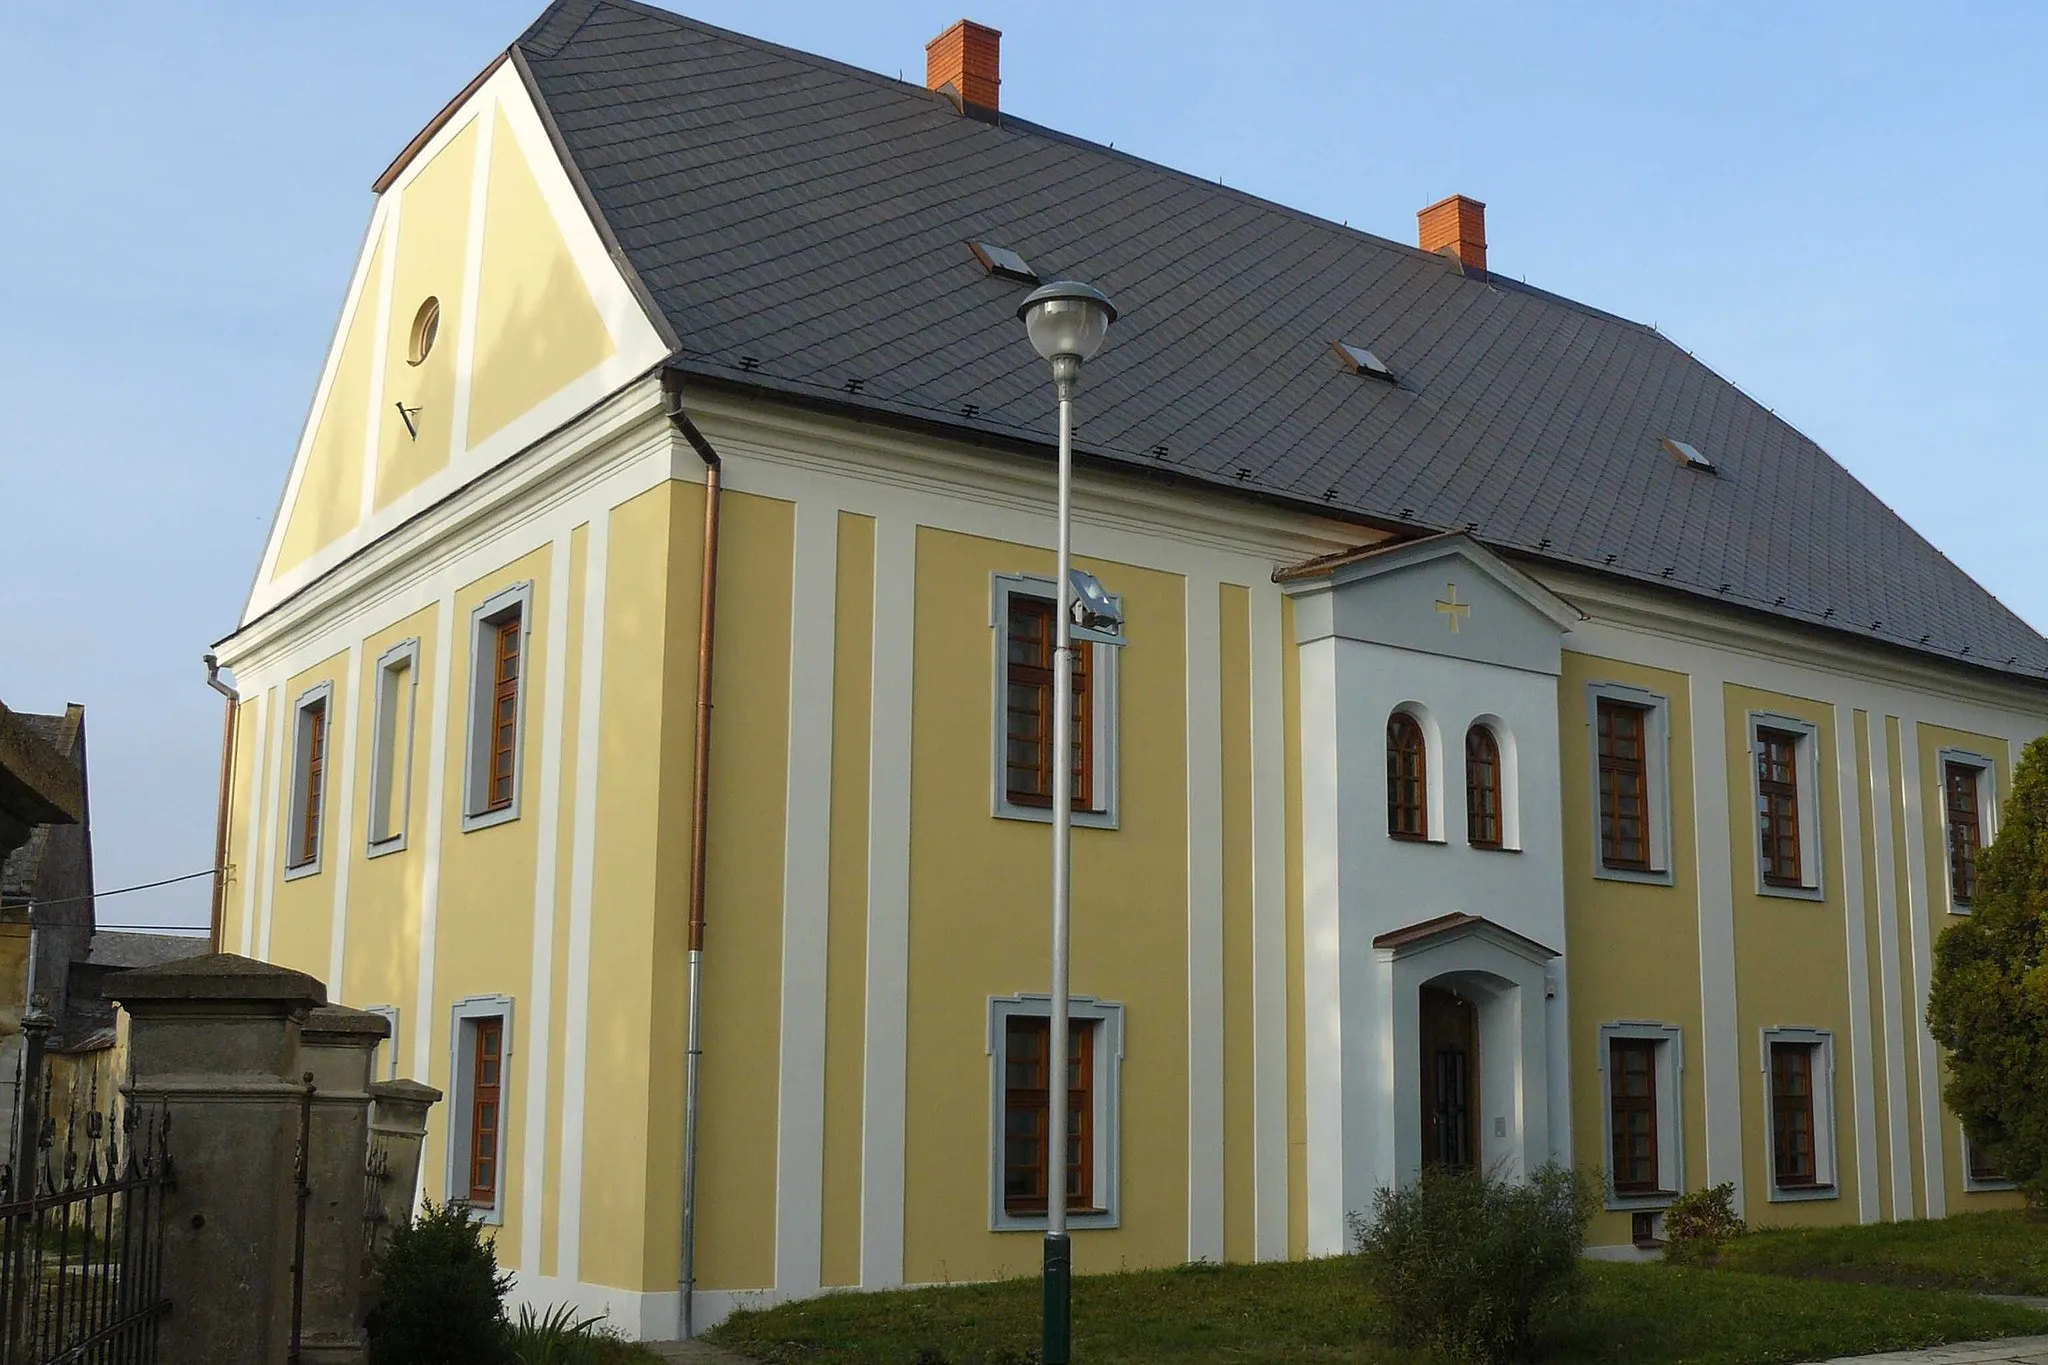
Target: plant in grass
x=1988 y=1004
x=1699 y=1224
x=558 y=1336
x=1469 y=1264
x=441 y=1298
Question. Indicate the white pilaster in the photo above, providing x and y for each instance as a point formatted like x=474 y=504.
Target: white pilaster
x=1919 y=919
x=1269 y=927
x=540 y=997
x=806 y=893
x=582 y=879
x=1720 y=1051
x=1205 y=920
x=1856 y=936
x=888 y=957
x=342 y=850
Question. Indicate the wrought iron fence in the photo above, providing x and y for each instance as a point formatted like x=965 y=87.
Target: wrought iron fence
x=81 y=1223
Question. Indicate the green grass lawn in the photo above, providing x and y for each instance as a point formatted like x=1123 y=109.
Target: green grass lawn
x=1999 y=1253
x=1318 y=1311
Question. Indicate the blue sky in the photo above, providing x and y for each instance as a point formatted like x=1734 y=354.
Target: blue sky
x=1837 y=206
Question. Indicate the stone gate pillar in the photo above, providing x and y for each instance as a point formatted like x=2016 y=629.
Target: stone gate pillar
x=339 y=1046
x=215 y=1043
x=398 y=1132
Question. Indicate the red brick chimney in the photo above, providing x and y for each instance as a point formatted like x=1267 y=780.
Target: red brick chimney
x=965 y=64
x=1457 y=224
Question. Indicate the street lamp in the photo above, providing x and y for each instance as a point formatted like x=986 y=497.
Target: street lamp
x=1067 y=323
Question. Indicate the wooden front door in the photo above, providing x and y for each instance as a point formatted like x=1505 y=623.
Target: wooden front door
x=1450 y=1080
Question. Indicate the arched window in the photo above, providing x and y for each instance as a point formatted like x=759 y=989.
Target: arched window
x=1407 y=778
x=1482 y=788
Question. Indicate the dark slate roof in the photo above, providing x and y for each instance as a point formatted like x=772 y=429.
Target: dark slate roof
x=122 y=949
x=19 y=869
x=802 y=226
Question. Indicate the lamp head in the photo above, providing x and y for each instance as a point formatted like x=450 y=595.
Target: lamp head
x=1067 y=319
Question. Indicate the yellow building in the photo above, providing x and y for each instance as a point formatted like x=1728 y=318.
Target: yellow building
x=1526 y=747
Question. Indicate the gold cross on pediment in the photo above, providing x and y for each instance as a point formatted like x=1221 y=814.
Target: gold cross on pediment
x=1451 y=609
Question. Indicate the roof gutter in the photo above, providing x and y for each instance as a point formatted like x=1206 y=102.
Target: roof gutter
x=700 y=811
x=227 y=783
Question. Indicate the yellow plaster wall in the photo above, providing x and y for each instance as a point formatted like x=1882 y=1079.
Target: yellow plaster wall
x=484 y=918
x=536 y=325
x=1235 y=658
x=980 y=891
x=1934 y=830
x=249 y=757
x=847 y=932
x=565 y=869
x=743 y=897
x=302 y=909
x=632 y=1175
x=433 y=234
x=1633 y=948
x=330 y=493
x=380 y=961
x=1866 y=780
x=1791 y=968
x=1297 y=1008
x=629 y=827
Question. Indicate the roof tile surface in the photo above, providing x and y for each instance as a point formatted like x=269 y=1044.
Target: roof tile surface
x=804 y=227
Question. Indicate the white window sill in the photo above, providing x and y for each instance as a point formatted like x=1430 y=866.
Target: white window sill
x=472 y=823
x=312 y=869
x=1802 y=1194
x=379 y=847
x=1042 y=815
x=1077 y=1221
x=1792 y=893
x=491 y=1216
x=1602 y=872
x=1637 y=1203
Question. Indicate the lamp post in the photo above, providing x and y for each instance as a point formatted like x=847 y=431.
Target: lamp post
x=1067 y=323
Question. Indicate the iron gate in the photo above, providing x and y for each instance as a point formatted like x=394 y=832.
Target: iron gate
x=81 y=1223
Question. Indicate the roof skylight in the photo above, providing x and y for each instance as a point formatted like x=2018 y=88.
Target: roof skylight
x=1000 y=260
x=1689 y=455
x=1361 y=361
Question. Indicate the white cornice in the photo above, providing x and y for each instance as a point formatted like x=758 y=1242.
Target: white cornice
x=626 y=428
x=866 y=451
x=1622 y=604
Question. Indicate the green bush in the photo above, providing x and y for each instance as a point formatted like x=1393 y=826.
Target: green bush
x=1697 y=1225
x=1988 y=1002
x=1468 y=1264
x=442 y=1298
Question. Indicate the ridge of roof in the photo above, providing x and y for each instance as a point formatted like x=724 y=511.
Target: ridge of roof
x=790 y=226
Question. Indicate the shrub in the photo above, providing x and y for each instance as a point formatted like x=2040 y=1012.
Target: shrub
x=1988 y=1005
x=1467 y=1264
x=559 y=1337
x=442 y=1298
x=1698 y=1224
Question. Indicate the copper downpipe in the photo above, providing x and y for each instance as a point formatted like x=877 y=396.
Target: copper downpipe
x=227 y=782
x=700 y=818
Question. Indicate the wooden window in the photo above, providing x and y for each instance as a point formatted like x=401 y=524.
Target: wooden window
x=504 y=724
x=1624 y=786
x=1777 y=805
x=1965 y=830
x=1407 y=778
x=314 y=720
x=1983 y=1170
x=1632 y=1103
x=1027 y=708
x=1794 y=1159
x=487 y=1061
x=1482 y=788
x=1027 y=1109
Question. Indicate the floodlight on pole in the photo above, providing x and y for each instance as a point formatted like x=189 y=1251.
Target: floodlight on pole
x=1067 y=323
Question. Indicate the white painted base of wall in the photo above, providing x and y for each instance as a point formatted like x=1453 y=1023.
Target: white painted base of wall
x=640 y=1316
